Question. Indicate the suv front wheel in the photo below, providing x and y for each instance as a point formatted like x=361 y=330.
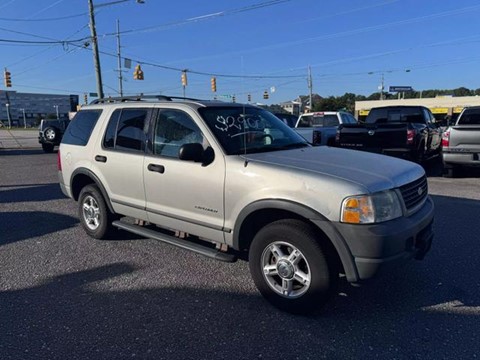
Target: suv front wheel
x=94 y=215
x=291 y=267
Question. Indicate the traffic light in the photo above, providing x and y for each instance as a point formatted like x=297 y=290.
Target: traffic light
x=85 y=98
x=184 y=78
x=138 y=73
x=8 y=78
x=265 y=94
x=233 y=98
x=213 y=82
x=249 y=97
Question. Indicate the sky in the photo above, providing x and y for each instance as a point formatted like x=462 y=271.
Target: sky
x=249 y=46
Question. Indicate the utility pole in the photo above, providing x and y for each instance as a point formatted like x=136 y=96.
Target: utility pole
x=310 y=86
x=96 y=56
x=120 y=76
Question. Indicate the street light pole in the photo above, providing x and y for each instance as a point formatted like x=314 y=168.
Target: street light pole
x=96 y=56
x=24 y=119
x=8 y=116
x=56 y=108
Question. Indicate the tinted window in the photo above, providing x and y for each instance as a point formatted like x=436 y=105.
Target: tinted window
x=318 y=121
x=80 y=128
x=126 y=130
x=172 y=129
x=406 y=114
x=131 y=130
x=109 y=139
x=470 y=117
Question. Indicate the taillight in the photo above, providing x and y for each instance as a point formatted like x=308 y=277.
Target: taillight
x=411 y=136
x=446 y=139
x=59 y=161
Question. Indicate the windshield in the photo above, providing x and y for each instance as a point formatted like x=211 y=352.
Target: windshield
x=247 y=129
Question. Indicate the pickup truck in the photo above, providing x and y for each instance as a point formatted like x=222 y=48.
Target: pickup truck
x=320 y=128
x=407 y=132
x=461 y=142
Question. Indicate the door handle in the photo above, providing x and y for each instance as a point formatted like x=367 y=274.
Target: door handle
x=101 y=158
x=156 y=168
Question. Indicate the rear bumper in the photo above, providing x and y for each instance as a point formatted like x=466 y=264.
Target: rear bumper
x=380 y=247
x=462 y=158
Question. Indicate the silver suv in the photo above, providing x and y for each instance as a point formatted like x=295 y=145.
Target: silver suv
x=233 y=181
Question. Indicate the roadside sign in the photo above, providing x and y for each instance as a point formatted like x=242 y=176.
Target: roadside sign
x=93 y=94
x=399 y=88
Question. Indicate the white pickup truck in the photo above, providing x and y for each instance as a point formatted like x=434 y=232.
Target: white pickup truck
x=461 y=142
x=320 y=128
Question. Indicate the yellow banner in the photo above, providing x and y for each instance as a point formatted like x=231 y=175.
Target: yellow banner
x=363 y=112
x=457 y=109
x=439 y=110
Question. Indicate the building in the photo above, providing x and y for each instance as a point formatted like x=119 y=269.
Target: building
x=440 y=106
x=292 y=107
x=27 y=109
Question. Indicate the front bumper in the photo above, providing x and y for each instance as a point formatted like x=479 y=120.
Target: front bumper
x=379 y=247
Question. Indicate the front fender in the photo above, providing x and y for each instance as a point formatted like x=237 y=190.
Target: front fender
x=313 y=217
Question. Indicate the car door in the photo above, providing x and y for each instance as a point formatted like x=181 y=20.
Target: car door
x=183 y=195
x=119 y=160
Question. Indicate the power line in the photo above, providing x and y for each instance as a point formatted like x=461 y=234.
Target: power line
x=44 y=19
x=200 y=18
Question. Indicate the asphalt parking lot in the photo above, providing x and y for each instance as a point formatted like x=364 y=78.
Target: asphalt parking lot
x=64 y=295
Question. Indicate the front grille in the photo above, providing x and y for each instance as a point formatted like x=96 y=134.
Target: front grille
x=414 y=193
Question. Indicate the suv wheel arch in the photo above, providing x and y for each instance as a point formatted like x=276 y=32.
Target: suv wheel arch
x=267 y=211
x=82 y=177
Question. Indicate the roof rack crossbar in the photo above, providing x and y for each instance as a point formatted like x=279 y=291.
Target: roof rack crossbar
x=139 y=98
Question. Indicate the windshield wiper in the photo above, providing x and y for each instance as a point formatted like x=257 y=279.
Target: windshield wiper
x=291 y=146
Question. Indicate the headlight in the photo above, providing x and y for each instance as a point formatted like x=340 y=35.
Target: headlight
x=374 y=208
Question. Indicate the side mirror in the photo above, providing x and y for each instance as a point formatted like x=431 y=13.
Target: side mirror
x=195 y=152
x=191 y=152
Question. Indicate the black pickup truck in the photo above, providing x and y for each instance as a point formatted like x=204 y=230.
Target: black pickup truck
x=50 y=133
x=408 y=132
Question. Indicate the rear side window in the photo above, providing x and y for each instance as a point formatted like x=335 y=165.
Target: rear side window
x=470 y=117
x=407 y=114
x=80 y=128
x=126 y=130
x=318 y=121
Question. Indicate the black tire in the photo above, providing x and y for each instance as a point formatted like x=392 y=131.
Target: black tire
x=48 y=148
x=450 y=171
x=50 y=133
x=302 y=256
x=94 y=214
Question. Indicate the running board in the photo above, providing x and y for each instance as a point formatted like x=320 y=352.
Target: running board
x=184 y=244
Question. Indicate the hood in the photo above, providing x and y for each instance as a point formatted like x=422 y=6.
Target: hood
x=373 y=171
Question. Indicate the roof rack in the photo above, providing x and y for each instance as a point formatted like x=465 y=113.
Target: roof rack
x=140 y=98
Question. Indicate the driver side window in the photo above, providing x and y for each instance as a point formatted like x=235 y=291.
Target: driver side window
x=174 y=128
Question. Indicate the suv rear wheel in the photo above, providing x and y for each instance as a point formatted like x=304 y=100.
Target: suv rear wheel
x=94 y=215
x=291 y=268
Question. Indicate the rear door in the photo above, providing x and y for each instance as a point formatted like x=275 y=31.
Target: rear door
x=119 y=157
